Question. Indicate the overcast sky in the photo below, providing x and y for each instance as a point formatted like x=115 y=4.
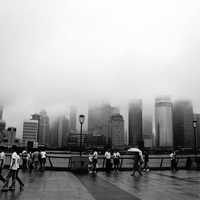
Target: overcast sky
x=54 y=54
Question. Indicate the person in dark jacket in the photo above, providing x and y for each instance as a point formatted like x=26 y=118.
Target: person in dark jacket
x=137 y=165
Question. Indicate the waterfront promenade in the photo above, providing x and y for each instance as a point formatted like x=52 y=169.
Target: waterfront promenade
x=62 y=185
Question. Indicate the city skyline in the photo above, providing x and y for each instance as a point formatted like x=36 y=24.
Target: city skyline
x=70 y=54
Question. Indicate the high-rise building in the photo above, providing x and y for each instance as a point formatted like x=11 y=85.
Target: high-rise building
x=11 y=134
x=72 y=118
x=54 y=133
x=1 y=112
x=30 y=133
x=135 y=123
x=117 y=130
x=2 y=125
x=43 y=129
x=147 y=131
x=163 y=122
x=98 y=120
x=182 y=123
x=197 y=118
x=59 y=132
x=36 y=116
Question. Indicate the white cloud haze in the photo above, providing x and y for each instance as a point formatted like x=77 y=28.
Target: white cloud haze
x=57 y=53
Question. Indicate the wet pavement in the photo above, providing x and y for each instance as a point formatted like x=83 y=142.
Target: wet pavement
x=153 y=185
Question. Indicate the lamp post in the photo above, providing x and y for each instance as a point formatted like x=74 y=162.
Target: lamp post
x=195 y=139
x=81 y=120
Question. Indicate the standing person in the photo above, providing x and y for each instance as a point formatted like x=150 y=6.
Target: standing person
x=108 y=161
x=146 y=161
x=30 y=162
x=13 y=172
x=136 y=165
x=95 y=160
x=2 y=162
x=173 y=161
x=24 y=160
x=116 y=160
x=43 y=156
x=36 y=159
x=90 y=162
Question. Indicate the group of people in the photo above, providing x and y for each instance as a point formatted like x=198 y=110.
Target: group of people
x=93 y=158
x=112 y=161
x=108 y=160
x=35 y=160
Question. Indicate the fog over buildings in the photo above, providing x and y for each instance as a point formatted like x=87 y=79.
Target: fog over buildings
x=55 y=54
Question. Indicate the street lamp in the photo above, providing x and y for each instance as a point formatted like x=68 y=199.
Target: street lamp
x=81 y=120
x=195 y=139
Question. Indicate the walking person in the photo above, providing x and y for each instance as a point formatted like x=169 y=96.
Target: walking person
x=43 y=156
x=95 y=160
x=2 y=162
x=36 y=158
x=173 y=161
x=146 y=161
x=108 y=161
x=13 y=172
x=116 y=161
x=137 y=164
x=24 y=160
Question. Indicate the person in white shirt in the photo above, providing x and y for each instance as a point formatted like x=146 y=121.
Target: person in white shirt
x=108 y=161
x=116 y=160
x=43 y=159
x=94 y=160
x=2 y=162
x=13 y=172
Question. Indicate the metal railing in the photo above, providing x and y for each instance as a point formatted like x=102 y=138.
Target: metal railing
x=66 y=162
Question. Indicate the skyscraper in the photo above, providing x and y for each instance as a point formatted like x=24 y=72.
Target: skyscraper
x=135 y=123
x=117 y=130
x=36 y=116
x=1 y=112
x=59 y=132
x=182 y=121
x=11 y=134
x=44 y=129
x=98 y=120
x=72 y=118
x=147 y=130
x=197 y=118
x=163 y=122
x=2 y=124
x=30 y=133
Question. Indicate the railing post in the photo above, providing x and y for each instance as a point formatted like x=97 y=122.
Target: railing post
x=121 y=162
x=161 y=162
x=50 y=161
